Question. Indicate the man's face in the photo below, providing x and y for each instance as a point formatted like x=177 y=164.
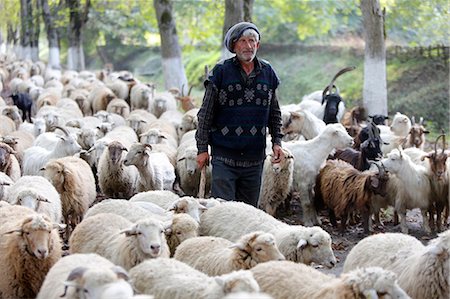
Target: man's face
x=245 y=48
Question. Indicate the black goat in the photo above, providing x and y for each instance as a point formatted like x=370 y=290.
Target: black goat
x=24 y=102
x=378 y=119
x=370 y=150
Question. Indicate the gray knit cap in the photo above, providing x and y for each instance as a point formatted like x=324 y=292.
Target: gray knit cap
x=235 y=32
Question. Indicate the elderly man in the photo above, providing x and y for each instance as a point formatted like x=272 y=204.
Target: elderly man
x=238 y=106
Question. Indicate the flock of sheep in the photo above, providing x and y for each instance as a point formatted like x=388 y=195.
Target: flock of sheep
x=67 y=136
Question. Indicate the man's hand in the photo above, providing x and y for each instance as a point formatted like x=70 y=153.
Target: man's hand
x=202 y=160
x=278 y=154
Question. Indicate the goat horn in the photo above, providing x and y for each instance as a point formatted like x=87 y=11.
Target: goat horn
x=443 y=143
x=400 y=151
x=435 y=144
x=342 y=71
x=62 y=129
x=182 y=90
x=413 y=120
x=190 y=89
x=421 y=121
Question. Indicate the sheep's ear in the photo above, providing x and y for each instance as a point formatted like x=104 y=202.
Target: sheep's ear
x=14 y=231
x=237 y=245
x=59 y=226
x=129 y=232
x=167 y=227
x=302 y=244
x=121 y=272
x=76 y=273
x=370 y=294
x=219 y=281
x=295 y=115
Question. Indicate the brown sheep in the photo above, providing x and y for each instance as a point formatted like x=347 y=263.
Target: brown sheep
x=8 y=162
x=344 y=189
x=100 y=98
x=29 y=247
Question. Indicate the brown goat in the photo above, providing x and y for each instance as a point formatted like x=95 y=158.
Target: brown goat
x=417 y=134
x=187 y=102
x=344 y=189
x=352 y=120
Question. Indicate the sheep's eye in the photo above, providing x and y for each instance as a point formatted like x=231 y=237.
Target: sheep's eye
x=178 y=233
x=258 y=249
x=315 y=246
x=27 y=233
x=162 y=231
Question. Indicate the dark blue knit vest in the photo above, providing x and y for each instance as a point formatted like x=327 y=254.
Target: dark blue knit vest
x=242 y=114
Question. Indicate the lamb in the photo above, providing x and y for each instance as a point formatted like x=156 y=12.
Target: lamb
x=8 y=162
x=162 y=102
x=78 y=274
x=29 y=247
x=276 y=182
x=141 y=96
x=35 y=157
x=217 y=256
x=423 y=271
x=287 y=280
x=302 y=122
x=297 y=243
x=413 y=187
x=308 y=157
x=171 y=279
x=344 y=189
x=73 y=179
x=38 y=194
x=124 y=243
x=155 y=170
x=114 y=178
x=38 y=126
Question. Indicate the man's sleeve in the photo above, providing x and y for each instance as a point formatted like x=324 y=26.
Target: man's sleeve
x=275 y=121
x=205 y=117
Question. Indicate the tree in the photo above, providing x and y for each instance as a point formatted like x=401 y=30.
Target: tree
x=26 y=12
x=375 y=89
x=35 y=31
x=78 y=18
x=52 y=35
x=234 y=13
x=173 y=69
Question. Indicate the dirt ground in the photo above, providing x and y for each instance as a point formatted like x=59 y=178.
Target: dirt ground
x=342 y=244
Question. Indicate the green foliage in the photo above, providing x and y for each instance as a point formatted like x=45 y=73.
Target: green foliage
x=9 y=13
x=194 y=64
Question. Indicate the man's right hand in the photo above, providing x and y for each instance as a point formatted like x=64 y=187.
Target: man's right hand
x=202 y=160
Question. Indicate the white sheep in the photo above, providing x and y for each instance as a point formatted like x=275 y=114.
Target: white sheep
x=276 y=182
x=297 y=243
x=5 y=183
x=171 y=279
x=29 y=247
x=141 y=96
x=162 y=198
x=19 y=141
x=119 y=107
x=38 y=126
x=164 y=127
x=247 y=295
x=162 y=101
x=73 y=179
x=35 y=157
x=121 y=241
x=308 y=157
x=114 y=178
x=38 y=194
x=7 y=125
x=413 y=189
x=139 y=119
x=78 y=274
x=157 y=136
x=189 y=122
x=172 y=116
x=423 y=271
x=155 y=170
x=217 y=256
x=287 y=280
x=8 y=162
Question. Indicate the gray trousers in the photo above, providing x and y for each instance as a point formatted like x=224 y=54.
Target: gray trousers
x=236 y=183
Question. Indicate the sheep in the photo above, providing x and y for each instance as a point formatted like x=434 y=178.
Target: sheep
x=247 y=295
x=217 y=256
x=119 y=88
x=189 y=122
x=417 y=134
x=5 y=183
x=38 y=194
x=115 y=179
x=297 y=243
x=100 y=97
x=119 y=107
x=413 y=187
x=73 y=179
x=124 y=243
x=47 y=98
x=171 y=279
x=162 y=198
x=158 y=136
x=141 y=96
x=308 y=157
x=38 y=126
x=287 y=280
x=344 y=189
x=19 y=141
x=7 y=125
x=13 y=113
x=302 y=122
x=163 y=127
x=81 y=97
x=139 y=119
x=24 y=102
x=172 y=116
x=35 y=157
x=276 y=182
x=155 y=170
x=162 y=101
x=75 y=275
x=29 y=247
x=8 y=162
x=423 y=271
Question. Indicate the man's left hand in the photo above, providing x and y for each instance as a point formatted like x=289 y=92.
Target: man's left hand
x=278 y=154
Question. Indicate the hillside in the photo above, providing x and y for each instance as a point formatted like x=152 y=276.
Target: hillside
x=418 y=79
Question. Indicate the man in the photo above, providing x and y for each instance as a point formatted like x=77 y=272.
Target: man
x=239 y=105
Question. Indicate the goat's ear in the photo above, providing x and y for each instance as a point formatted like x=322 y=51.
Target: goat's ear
x=295 y=115
x=374 y=182
x=424 y=157
x=14 y=231
x=426 y=132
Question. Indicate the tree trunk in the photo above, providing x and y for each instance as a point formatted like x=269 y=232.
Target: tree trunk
x=78 y=18
x=248 y=10
x=375 y=90
x=12 y=39
x=52 y=36
x=234 y=13
x=173 y=69
x=26 y=15
x=35 y=31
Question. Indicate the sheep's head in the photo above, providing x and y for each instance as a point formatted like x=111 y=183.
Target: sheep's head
x=115 y=149
x=37 y=233
x=237 y=281
x=260 y=246
x=5 y=152
x=56 y=173
x=99 y=282
x=311 y=244
x=138 y=154
x=188 y=205
x=31 y=199
x=150 y=235
x=182 y=227
x=13 y=113
x=190 y=159
x=153 y=136
x=372 y=282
